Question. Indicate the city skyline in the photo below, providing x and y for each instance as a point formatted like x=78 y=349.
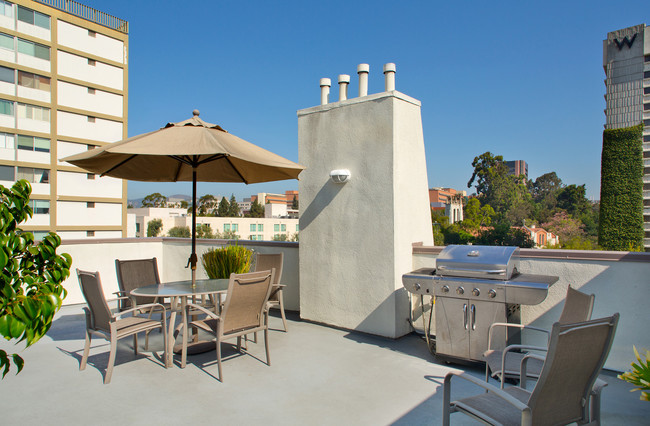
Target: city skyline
x=520 y=80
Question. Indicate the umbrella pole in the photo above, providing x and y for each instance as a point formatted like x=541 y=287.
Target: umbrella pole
x=193 y=258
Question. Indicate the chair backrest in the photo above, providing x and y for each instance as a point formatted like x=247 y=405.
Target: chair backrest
x=135 y=273
x=577 y=307
x=91 y=287
x=246 y=301
x=576 y=355
x=267 y=262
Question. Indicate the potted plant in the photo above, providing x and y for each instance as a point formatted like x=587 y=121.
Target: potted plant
x=221 y=262
x=640 y=375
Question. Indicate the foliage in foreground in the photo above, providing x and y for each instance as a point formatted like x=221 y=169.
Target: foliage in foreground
x=31 y=290
x=221 y=262
x=640 y=375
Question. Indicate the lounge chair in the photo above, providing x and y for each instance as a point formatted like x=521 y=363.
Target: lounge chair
x=244 y=311
x=576 y=355
x=112 y=327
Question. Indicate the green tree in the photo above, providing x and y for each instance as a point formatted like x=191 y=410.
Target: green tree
x=154 y=200
x=294 y=203
x=206 y=205
x=486 y=168
x=203 y=230
x=31 y=289
x=234 y=207
x=573 y=199
x=179 y=232
x=475 y=216
x=280 y=237
x=154 y=227
x=502 y=234
x=184 y=204
x=257 y=210
x=224 y=208
x=226 y=235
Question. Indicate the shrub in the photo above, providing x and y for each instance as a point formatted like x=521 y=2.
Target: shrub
x=180 y=232
x=31 y=288
x=221 y=262
x=640 y=375
x=154 y=227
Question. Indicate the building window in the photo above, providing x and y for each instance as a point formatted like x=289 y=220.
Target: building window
x=7 y=75
x=252 y=228
x=276 y=227
x=34 y=81
x=646 y=90
x=32 y=17
x=90 y=233
x=646 y=74
x=235 y=227
x=33 y=49
x=284 y=227
x=646 y=138
x=33 y=175
x=40 y=206
x=90 y=176
x=7 y=173
x=646 y=123
x=6 y=42
x=226 y=227
x=7 y=141
x=6 y=107
x=33 y=112
x=646 y=107
x=260 y=237
x=252 y=237
x=90 y=205
x=6 y=8
x=260 y=227
x=297 y=228
x=31 y=143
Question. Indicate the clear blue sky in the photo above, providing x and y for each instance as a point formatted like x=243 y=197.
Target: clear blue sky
x=520 y=79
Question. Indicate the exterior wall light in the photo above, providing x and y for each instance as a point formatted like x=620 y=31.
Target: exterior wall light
x=340 y=176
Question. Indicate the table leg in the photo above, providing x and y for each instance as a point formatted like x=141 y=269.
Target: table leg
x=184 y=350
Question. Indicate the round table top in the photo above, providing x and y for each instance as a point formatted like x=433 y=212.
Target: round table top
x=182 y=288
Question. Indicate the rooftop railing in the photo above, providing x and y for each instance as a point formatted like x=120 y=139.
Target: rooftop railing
x=89 y=13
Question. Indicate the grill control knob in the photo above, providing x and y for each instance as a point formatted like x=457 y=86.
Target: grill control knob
x=476 y=292
x=417 y=286
x=460 y=290
x=445 y=289
x=492 y=294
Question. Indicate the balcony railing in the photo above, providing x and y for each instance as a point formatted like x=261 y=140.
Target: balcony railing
x=89 y=13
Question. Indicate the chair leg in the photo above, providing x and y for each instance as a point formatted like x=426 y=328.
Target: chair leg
x=111 y=361
x=135 y=343
x=284 y=318
x=84 y=358
x=219 y=360
x=266 y=345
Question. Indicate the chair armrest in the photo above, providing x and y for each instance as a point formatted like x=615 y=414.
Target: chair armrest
x=120 y=292
x=203 y=310
x=487 y=386
x=511 y=348
x=524 y=364
x=139 y=307
x=512 y=325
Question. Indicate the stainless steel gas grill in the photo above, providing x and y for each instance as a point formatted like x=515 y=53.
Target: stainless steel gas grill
x=474 y=287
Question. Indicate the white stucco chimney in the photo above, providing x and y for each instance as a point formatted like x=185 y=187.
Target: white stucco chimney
x=389 y=74
x=325 y=84
x=344 y=79
x=363 y=70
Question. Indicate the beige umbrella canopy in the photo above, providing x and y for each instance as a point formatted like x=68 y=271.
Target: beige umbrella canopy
x=191 y=150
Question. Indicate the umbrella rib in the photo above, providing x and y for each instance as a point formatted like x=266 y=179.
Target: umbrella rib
x=121 y=163
x=243 y=179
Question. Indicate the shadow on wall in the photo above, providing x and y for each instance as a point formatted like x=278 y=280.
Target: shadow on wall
x=327 y=193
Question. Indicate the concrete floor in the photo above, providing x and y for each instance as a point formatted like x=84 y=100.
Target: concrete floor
x=319 y=376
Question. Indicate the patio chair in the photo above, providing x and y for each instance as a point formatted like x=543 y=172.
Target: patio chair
x=112 y=327
x=577 y=307
x=576 y=355
x=244 y=312
x=267 y=262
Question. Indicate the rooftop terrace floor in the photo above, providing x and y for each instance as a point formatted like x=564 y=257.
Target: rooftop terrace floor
x=318 y=376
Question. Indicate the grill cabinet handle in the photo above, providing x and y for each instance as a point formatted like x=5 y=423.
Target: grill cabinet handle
x=487 y=271
x=465 y=316
x=473 y=310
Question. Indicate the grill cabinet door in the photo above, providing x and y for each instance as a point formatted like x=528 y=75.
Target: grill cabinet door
x=452 y=327
x=481 y=316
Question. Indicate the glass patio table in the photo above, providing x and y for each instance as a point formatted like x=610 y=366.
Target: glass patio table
x=176 y=290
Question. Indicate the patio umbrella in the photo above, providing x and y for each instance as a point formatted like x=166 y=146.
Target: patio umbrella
x=191 y=150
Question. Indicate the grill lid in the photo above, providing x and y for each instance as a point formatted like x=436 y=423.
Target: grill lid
x=488 y=262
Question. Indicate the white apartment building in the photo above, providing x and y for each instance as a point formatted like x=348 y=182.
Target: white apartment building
x=626 y=61
x=246 y=228
x=63 y=90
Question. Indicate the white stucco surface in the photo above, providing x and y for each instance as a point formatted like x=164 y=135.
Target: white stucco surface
x=355 y=238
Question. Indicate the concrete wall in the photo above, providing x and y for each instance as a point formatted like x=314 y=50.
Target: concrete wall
x=355 y=238
x=619 y=281
x=172 y=254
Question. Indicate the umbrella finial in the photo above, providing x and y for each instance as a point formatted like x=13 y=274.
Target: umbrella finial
x=195 y=113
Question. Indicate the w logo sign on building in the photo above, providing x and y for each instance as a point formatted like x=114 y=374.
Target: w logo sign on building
x=625 y=41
